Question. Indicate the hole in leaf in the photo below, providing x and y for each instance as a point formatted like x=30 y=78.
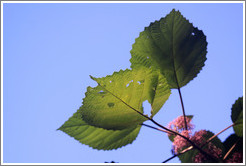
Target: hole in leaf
x=101 y=92
x=139 y=82
x=147 y=108
x=110 y=104
x=129 y=83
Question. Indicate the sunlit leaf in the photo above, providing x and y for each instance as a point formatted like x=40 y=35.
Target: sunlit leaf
x=172 y=45
x=98 y=138
x=237 y=116
x=113 y=103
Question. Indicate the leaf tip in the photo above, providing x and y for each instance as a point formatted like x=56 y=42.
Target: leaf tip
x=93 y=78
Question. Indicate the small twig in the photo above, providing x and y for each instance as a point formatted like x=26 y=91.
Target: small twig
x=229 y=151
x=154 y=128
x=183 y=110
x=217 y=134
x=170 y=158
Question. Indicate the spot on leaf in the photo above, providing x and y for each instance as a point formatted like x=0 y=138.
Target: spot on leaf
x=110 y=104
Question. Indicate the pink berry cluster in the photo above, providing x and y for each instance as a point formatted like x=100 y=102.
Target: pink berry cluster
x=178 y=124
x=179 y=143
x=212 y=150
x=236 y=157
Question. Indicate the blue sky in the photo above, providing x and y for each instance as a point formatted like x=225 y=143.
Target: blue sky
x=49 y=51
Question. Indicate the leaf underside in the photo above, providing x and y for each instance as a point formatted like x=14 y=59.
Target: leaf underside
x=237 y=116
x=106 y=119
x=98 y=138
x=113 y=103
x=173 y=46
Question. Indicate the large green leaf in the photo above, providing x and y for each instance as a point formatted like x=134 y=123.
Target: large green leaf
x=113 y=103
x=172 y=45
x=98 y=138
x=237 y=116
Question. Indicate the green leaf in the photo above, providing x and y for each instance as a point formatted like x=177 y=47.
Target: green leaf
x=237 y=108
x=172 y=45
x=237 y=116
x=190 y=116
x=230 y=141
x=238 y=127
x=113 y=103
x=98 y=138
x=216 y=141
x=188 y=156
x=171 y=137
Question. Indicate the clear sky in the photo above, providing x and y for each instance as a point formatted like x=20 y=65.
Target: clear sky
x=49 y=51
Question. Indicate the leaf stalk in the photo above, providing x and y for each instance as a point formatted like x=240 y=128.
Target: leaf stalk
x=183 y=110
